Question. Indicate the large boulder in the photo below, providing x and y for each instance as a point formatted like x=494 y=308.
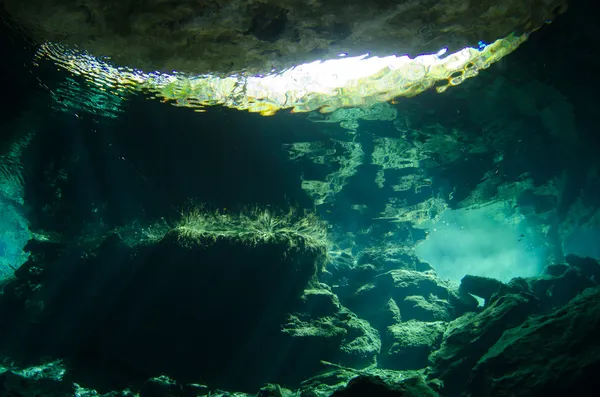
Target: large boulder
x=196 y=311
x=554 y=292
x=419 y=308
x=423 y=296
x=483 y=287
x=405 y=283
x=411 y=344
x=470 y=336
x=324 y=330
x=550 y=355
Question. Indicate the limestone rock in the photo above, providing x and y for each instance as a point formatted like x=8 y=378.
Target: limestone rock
x=553 y=292
x=366 y=385
x=470 y=336
x=551 y=355
x=259 y=35
x=412 y=343
x=483 y=287
x=426 y=309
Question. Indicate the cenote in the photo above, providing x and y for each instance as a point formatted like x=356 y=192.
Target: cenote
x=299 y=198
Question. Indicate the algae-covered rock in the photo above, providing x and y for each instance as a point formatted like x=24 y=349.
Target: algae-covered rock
x=412 y=343
x=469 y=337
x=551 y=355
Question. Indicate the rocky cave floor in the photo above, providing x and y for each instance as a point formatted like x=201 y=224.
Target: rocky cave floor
x=112 y=318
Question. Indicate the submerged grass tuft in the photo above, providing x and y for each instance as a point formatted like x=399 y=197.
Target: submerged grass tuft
x=297 y=230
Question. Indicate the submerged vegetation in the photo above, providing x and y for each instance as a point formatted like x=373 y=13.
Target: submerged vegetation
x=297 y=230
